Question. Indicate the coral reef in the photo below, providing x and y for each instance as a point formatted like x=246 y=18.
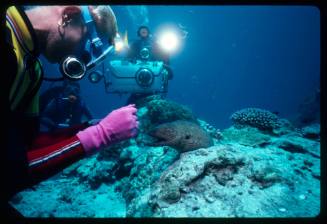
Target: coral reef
x=236 y=181
x=247 y=136
x=255 y=117
x=147 y=168
x=212 y=131
x=298 y=145
x=143 y=101
x=162 y=111
x=266 y=168
x=311 y=131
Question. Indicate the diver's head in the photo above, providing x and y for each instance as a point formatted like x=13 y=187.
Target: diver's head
x=143 y=32
x=61 y=30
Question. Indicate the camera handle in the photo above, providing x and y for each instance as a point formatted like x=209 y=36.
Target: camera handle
x=96 y=76
x=170 y=71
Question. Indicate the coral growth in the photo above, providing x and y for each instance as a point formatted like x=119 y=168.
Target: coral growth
x=212 y=131
x=264 y=169
x=248 y=136
x=162 y=111
x=255 y=117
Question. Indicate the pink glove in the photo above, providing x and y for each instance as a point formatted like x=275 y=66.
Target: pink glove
x=119 y=125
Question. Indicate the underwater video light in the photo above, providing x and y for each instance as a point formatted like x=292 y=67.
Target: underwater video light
x=168 y=41
x=119 y=43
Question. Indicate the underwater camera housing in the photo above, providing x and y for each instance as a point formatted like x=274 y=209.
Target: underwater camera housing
x=139 y=76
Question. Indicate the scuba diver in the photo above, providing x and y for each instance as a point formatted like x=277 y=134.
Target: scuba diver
x=77 y=38
x=65 y=109
x=145 y=49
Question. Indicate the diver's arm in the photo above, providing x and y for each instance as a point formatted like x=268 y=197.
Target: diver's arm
x=119 y=125
x=52 y=152
x=47 y=161
x=50 y=138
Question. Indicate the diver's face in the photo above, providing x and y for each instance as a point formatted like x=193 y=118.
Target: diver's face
x=65 y=40
x=144 y=33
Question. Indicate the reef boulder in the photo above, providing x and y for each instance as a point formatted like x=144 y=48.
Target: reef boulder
x=162 y=111
x=262 y=119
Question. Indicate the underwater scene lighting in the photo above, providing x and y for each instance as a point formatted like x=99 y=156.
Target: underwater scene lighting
x=169 y=41
x=119 y=43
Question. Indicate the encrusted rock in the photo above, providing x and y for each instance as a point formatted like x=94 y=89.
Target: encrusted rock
x=255 y=117
x=246 y=136
x=312 y=131
x=162 y=111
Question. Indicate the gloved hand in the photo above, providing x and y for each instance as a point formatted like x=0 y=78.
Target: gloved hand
x=119 y=125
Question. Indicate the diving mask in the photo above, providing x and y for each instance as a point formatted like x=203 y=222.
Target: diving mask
x=95 y=49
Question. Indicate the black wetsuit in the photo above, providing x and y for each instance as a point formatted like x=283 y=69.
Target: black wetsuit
x=61 y=111
x=155 y=53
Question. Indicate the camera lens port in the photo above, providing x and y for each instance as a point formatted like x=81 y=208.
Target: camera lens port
x=144 y=77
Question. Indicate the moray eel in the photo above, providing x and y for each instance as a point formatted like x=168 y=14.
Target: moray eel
x=181 y=135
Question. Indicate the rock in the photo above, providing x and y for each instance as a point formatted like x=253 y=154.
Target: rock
x=147 y=168
x=67 y=194
x=266 y=176
x=312 y=131
x=291 y=146
x=96 y=172
x=129 y=153
x=187 y=171
x=282 y=209
x=302 y=197
x=298 y=145
x=283 y=127
x=249 y=172
x=171 y=193
x=247 y=136
x=224 y=180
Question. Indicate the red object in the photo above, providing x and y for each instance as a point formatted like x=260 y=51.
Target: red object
x=46 y=139
x=52 y=152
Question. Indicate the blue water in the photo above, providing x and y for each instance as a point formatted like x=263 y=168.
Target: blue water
x=232 y=58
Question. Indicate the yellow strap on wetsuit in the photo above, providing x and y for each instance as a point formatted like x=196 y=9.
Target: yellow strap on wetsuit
x=23 y=90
